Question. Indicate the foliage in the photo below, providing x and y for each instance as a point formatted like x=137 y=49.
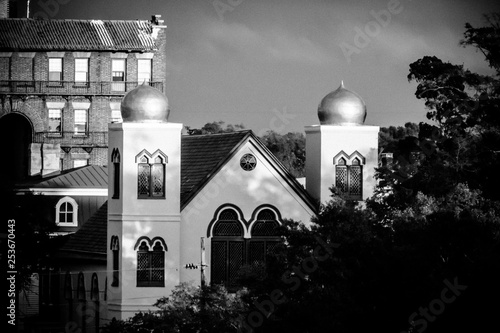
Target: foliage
x=289 y=149
x=188 y=309
x=214 y=127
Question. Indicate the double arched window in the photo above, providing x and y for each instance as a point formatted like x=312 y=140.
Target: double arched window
x=115 y=247
x=67 y=212
x=236 y=242
x=151 y=174
x=150 y=262
x=349 y=174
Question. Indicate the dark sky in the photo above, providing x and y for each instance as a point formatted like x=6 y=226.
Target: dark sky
x=268 y=63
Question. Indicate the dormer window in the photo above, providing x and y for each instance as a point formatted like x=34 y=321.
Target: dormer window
x=151 y=175
x=67 y=212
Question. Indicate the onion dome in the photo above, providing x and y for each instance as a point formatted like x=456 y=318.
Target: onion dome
x=145 y=104
x=342 y=107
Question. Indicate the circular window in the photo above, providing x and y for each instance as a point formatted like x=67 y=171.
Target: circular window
x=248 y=162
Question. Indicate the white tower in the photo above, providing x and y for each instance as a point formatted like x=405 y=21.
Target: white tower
x=143 y=231
x=341 y=151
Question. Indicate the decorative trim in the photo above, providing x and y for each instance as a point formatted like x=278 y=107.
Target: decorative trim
x=120 y=55
x=80 y=105
x=5 y=54
x=97 y=192
x=26 y=54
x=115 y=106
x=349 y=158
x=217 y=213
x=114 y=244
x=75 y=212
x=147 y=55
x=151 y=243
x=81 y=54
x=55 y=105
x=55 y=54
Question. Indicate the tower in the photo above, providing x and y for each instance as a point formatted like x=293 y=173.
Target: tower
x=143 y=231
x=341 y=151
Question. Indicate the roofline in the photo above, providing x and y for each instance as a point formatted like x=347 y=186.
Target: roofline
x=216 y=169
x=278 y=166
x=79 y=254
x=98 y=192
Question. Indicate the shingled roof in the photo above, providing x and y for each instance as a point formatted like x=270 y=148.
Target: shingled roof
x=75 y=35
x=90 y=239
x=92 y=176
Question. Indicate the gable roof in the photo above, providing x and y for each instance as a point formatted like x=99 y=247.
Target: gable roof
x=90 y=176
x=202 y=156
x=75 y=35
x=90 y=239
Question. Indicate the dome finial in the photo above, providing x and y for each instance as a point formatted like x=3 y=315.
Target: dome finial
x=145 y=104
x=342 y=107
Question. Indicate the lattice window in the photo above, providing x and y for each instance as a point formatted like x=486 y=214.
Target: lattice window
x=151 y=266
x=349 y=178
x=265 y=236
x=151 y=177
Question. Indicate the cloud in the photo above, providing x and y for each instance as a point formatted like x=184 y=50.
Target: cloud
x=276 y=44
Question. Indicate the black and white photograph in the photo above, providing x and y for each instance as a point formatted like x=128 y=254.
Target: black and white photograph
x=219 y=166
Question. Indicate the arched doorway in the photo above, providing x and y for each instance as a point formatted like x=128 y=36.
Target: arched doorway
x=15 y=138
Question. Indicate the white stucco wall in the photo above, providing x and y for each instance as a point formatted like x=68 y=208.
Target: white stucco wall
x=324 y=142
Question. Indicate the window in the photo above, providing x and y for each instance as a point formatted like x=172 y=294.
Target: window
x=248 y=162
x=118 y=74
x=227 y=249
x=349 y=178
x=150 y=262
x=68 y=287
x=80 y=163
x=151 y=175
x=81 y=70
x=265 y=237
x=143 y=71
x=231 y=250
x=81 y=122
x=115 y=159
x=67 y=212
x=55 y=69
x=55 y=121
x=115 y=247
x=80 y=291
x=94 y=288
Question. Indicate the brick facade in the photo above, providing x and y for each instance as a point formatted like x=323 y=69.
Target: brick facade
x=25 y=88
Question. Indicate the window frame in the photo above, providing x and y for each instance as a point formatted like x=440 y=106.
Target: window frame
x=79 y=81
x=118 y=84
x=140 y=74
x=147 y=249
x=52 y=71
x=348 y=166
x=57 y=132
x=147 y=165
x=72 y=202
x=86 y=123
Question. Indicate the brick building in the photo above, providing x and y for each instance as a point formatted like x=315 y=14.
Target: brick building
x=61 y=83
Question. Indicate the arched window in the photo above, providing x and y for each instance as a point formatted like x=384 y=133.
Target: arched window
x=80 y=291
x=151 y=175
x=349 y=175
x=67 y=212
x=264 y=236
x=227 y=253
x=115 y=159
x=115 y=247
x=94 y=288
x=150 y=262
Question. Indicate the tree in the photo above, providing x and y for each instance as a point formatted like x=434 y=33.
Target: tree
x=214 y=127
x=289 y=149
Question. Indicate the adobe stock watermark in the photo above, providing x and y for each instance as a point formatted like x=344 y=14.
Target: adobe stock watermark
x=50 y=8
x=436 y=307
x=294 y=277
x=363 y=37
x=223 y=6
